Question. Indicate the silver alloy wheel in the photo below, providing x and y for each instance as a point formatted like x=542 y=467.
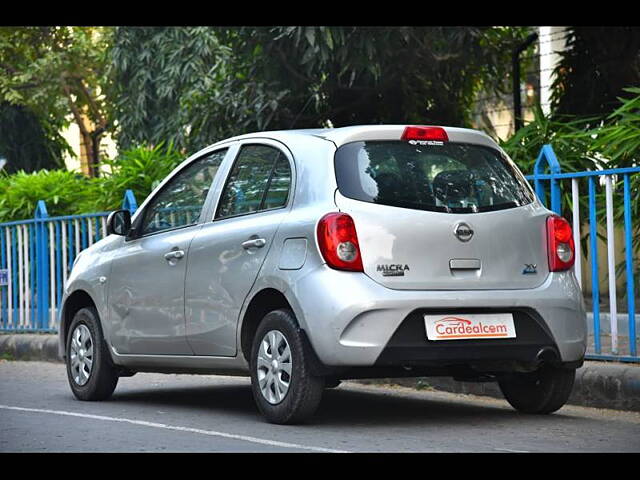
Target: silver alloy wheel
x=81 y=354
x=274 y=367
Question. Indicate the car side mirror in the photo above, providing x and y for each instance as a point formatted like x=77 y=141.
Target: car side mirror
x=119 y=222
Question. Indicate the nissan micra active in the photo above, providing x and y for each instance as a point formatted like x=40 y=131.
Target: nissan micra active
x=304 y=257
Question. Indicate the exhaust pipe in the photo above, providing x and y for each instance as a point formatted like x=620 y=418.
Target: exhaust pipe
x=548 y=355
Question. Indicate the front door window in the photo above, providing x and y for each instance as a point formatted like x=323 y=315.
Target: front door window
x=180 y=202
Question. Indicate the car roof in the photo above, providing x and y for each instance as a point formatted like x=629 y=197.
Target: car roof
x=340 y=136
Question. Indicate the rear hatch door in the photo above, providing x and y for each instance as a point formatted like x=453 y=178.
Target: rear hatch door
x=441 y=215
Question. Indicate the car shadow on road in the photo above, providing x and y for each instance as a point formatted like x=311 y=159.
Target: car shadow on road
x=366 y=408
x=342 y=406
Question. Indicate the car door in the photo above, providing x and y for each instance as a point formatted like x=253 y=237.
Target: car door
x=228 y=251
x=146 y=294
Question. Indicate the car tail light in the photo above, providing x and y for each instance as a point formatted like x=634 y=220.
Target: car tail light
x=425 y=133
x=561 y=249
x=338 y=242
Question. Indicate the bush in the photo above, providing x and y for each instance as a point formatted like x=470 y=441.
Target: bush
x=65 y=193
x=619 y=141
x=140 y=169
x=567 y=136
x=588 y=144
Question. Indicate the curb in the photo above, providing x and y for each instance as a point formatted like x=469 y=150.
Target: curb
x=27 y=346
x=598 y=384
x=611 y=385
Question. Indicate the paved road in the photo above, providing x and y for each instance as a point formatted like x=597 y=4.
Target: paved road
x=169 y=413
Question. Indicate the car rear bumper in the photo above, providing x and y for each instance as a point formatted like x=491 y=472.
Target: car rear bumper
x=409 y=346
x=351 y=320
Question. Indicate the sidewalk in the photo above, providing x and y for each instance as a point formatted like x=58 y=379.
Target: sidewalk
x=598 y=384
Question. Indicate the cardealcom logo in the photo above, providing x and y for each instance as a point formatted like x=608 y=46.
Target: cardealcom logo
x=472 y=326
x=456 y=327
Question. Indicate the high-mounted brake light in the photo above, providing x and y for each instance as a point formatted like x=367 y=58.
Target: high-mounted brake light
x=425 y=133
x=338 y=242
x=560 y=246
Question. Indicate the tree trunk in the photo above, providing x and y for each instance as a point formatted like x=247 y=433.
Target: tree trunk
x=90 y=152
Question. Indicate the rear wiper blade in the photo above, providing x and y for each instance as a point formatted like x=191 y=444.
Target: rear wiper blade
x=499 y=206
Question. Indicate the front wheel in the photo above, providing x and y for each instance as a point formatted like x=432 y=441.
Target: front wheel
x=543 y=391
x=89 y=369
x=283 y=387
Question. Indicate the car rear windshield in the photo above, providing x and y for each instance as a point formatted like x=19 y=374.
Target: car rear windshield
x=450 y=177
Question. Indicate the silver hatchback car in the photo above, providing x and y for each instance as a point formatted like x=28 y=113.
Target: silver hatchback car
x=305 y=257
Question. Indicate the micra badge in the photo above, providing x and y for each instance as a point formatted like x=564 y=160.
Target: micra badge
x=393 y=270
x=530 y=268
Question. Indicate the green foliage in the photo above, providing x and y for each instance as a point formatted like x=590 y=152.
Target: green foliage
x=619 y=141
x=574 y=149
x=57 y=73
x=197 y=85
x=64 y=193
x=367 y=74
x=140 y=169
x=25 y=143
x=41 y=67
x=155 y=72
x=598 y=63
x=588 y=144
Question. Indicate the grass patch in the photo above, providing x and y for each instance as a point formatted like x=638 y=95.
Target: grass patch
x=423 y=385
x=7 y=356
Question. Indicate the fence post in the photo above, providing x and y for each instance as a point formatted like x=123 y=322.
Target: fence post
x=42 y=265
x=631 y=306
x=548 y=156
x=129 y=201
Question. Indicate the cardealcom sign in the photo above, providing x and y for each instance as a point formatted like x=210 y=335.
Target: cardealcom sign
x=469 y=326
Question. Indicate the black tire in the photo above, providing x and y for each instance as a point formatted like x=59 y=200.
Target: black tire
x=305 y=390
x=541 y=392
x=103 y=378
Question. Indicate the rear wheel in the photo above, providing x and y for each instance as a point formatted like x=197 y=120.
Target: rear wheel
x=543 y=391
x=90 y=372
x=283 y=387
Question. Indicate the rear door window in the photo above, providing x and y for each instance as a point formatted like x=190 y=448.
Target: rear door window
x=453 y=177
x=259 y=180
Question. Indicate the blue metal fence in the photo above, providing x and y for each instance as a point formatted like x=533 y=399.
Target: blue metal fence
x=36 y=256
x=623 y=344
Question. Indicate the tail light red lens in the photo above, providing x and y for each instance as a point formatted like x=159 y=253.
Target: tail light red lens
x=338 y=242
x=425 y=133
x=561 y=248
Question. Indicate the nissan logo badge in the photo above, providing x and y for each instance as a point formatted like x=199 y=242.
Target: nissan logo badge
x=463 y=232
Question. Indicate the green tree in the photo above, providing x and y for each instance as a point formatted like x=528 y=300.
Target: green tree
x=154 y=72
x=24 y=142
x=198 y=85
x=598 y=63
x=372 y=74
x=57 y=73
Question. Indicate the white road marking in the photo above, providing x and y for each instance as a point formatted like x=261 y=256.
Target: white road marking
x=212 y=433
x=512 y=451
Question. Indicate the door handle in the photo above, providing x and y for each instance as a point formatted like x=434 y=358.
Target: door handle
x=254 y=242
x=174 y=254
